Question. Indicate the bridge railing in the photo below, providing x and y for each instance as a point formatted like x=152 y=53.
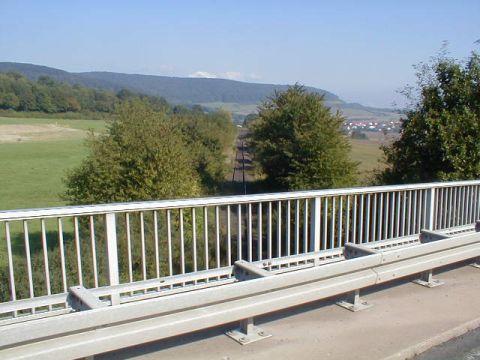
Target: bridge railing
x=45 y=251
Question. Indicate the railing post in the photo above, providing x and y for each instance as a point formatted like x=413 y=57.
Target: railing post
x=112 y=253
x=315 y=225
x=430 y=215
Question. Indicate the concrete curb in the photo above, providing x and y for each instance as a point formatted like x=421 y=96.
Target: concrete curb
x=423 y=346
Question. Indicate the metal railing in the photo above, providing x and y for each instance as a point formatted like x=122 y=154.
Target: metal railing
x=194 y=242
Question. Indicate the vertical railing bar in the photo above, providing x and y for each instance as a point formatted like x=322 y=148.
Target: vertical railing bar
x=287 y=227
x=450 y=207
x=279 y=228
x=347 y=225
x=94 y=251
x=11 y=275
x=169 y=243
x=325 y=223
x=374 y=218
x=360 y=220
x=194 y=238
x=157 y=244
x=27 y=254
x=404 y=205
x=446 y=208
x=354 y=220
x=332 y=225
x=367 y=220
x=386 y=214
x=472 y=203
x=305 y=226
x=297 y=227
x=78 y=250
x=476 y=204
x=415 y=204
x=380 y=217
x=269 y=230
x=45 y=257
x=440 y=208
x=249 y=232
x=62 y=253
x=392 y=213
x=469 y=205
x=455 y=210
x=397 y=226
x=205 y=235
x=182 y=242
x=217 y=233
x=409 y=216
x=144 y=252
x=129 y=247
x=229 y=238
x=239 y=232
x=423 y=209
x=340 y=221
x=461 y=208
x=259 y=231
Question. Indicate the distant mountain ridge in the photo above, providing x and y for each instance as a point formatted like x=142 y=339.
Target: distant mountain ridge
x=177 y=90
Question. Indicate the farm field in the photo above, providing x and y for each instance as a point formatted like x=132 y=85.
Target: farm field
x=368 y=154
x=34 y=155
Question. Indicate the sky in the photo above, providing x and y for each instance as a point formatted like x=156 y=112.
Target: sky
x=362 y=51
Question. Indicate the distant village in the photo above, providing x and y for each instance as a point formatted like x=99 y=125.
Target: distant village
x=357 y=126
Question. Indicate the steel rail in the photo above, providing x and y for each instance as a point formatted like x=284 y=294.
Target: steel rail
x=68 y=211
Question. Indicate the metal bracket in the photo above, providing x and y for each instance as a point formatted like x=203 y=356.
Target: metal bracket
x=427 y=280
x=354 y=302
x=80 y=299
x=352 y=251
x=427 y=236
x=243 y=270
x=247 y=333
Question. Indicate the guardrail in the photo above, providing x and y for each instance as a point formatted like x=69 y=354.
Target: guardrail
x=46 y=251
x=96 y=328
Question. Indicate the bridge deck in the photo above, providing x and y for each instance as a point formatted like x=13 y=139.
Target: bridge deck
x=405 y=319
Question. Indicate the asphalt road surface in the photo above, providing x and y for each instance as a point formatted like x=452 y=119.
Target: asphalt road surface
x=465 y=347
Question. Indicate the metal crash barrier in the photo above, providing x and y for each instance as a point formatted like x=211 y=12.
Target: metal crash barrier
x=93 y=322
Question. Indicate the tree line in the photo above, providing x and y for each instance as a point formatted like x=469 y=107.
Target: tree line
x=49 y=96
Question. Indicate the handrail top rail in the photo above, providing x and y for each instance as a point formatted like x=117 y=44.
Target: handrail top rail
x=99 y=209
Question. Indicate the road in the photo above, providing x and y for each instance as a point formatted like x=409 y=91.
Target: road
x=465 y=347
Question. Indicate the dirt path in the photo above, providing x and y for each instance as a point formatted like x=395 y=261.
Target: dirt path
x=41 y=132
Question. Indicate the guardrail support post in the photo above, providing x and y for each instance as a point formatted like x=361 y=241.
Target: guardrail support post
x=112 y=254
x=427 y=280
x=354 y=302
x=315 y=225
x=247 y=333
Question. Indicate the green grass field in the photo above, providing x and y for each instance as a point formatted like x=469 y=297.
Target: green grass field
x=31 y=170
x=368 y=154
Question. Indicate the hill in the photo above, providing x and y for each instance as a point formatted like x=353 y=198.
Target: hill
x=239 y=97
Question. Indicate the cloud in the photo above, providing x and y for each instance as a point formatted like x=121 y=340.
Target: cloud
x=233 y=75
x=230 y=75
x=202 y=74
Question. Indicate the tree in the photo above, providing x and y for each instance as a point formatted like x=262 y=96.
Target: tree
x=439 y=138
x=298 y=142
x=142 y=156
